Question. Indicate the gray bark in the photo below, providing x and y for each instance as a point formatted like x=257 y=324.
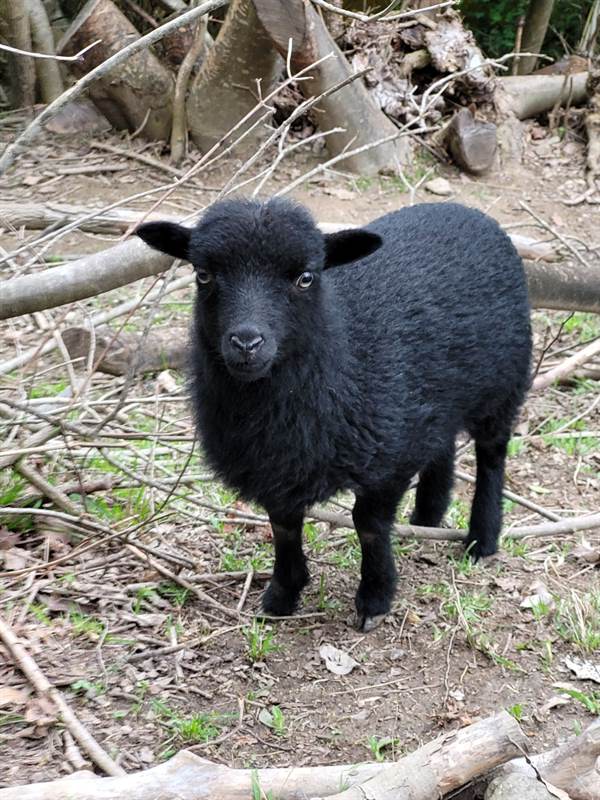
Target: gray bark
x=534 y=32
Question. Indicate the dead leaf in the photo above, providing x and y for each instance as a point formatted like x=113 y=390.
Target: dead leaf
x=341 y=194
x=584 y=670
x=8 y=539
x=9 y=696
x=584 y=552
x=15 y=558
x=337 y=661
x=40 y=711
x=32 y=180
x=539 y=597
x=166 y=383
x=553 y=702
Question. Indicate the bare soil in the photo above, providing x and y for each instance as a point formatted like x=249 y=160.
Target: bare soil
x=458 y=645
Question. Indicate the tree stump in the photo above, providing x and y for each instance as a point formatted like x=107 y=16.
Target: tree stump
x=136 y=95
x=472 y=144
x=226 y=88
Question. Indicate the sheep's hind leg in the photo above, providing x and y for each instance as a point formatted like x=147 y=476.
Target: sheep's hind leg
x=290 y=573
x=373 y=516
x=433 y=491
x=486 y=513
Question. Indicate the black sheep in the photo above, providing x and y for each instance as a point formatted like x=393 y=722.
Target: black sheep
x=310 y=376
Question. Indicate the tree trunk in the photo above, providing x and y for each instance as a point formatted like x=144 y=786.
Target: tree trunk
x=21 y=69
x=138 y=94
x=179 y=131
x=534 y=32
x=351 y=107
x=530 y=95
x=227 y=86
x=592 y=127
x=589 y=37
x=48 y=71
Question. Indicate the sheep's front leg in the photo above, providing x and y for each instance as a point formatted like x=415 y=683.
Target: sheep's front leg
x=373 y=516
x=290 y=573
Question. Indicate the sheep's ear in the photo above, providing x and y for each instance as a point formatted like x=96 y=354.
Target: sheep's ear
x=168 y=237
x=346 y=246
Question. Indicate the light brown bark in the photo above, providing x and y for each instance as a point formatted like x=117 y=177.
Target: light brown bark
x=21 y=69
x=179 y=131
x=432 y=770
x=573 y=766
x=530 y=95
x=226 y=87
x=137 y=95
x=47 y=70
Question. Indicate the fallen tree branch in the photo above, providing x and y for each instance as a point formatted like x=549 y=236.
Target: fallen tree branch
x=546 y=529
x=447 y=762
x=566 y=367
x=132 y=260
x=530 y=95
x=33 y=130
x=573 y=766
x=444 y=764
x=43 y=686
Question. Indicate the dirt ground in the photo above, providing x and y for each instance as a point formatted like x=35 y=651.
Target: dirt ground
x=461 y=642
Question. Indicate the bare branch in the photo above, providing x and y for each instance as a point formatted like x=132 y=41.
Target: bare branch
x=77 y=57
x=382 y=16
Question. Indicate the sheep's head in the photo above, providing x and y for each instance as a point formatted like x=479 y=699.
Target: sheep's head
x=259 y=272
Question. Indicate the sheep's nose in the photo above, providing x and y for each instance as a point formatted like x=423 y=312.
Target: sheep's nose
x=247 y=340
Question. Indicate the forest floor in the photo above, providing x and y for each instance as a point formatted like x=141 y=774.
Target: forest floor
x=460 y=643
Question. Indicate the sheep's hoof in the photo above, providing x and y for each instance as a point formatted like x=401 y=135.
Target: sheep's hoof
x=367 y=624
x=478 y=550
x=276 y=602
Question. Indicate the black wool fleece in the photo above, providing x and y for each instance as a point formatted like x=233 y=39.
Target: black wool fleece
x=321 y=363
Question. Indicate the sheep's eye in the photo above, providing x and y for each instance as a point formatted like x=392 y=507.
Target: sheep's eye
x=304 y=280
x=203 y=278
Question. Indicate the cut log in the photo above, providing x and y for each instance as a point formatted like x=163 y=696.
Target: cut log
x=241 y=63
x=350 y=108
x=445 y=764
x=120 y=353
x=573 y=766
x=432 y=770
x=138 y=94
x=530 y=95
x=472 y=143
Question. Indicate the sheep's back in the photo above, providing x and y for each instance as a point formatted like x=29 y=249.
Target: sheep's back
x=439 y=315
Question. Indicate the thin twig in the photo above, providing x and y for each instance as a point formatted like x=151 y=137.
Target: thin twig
x=43 y=686
x=77 y=57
